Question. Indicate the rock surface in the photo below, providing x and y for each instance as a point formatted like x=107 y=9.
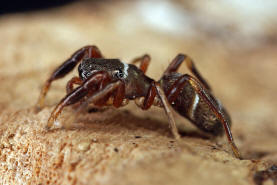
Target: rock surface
x=128 y=145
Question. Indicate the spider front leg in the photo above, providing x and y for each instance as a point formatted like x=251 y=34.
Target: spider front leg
x=100 y=97
x=176 y=63
x=75 y=80
x=177 y=87
x=96 y=82
x=144 y=62
x=66 y=67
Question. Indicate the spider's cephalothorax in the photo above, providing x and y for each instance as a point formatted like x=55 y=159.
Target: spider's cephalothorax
x=114 y=67
x=111 y=82
x=135 y=82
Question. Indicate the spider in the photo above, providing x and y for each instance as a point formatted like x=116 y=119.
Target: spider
x=110 y=82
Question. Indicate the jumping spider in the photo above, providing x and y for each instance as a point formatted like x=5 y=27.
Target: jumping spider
x=111 y=82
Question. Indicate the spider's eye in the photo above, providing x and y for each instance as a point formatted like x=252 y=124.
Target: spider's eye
x=88 y=74
x=118 y=73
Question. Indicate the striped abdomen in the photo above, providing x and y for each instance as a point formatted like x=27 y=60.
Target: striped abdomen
x=190 y=105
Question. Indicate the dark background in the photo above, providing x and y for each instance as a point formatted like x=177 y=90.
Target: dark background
x=23 y=6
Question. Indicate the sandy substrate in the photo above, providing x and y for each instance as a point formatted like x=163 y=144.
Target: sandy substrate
x=128 y=145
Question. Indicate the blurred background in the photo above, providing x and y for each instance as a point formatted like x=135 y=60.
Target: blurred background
x=232 y=42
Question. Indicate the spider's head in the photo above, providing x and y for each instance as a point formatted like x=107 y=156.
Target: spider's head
x=114 y=67
x=136 y=83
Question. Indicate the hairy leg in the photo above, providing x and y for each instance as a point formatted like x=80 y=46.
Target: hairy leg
x=145 y=103
x=115 y=90
x=176 y=63
x=150 y=97
x=168 y=112
x=96 y=82
x=69 y=86
x=66 y=67
x=144 y=62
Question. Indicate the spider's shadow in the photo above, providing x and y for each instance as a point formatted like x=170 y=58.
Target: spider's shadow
x=134 y=122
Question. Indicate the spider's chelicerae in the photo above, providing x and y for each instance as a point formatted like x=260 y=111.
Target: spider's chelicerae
x=105 y=82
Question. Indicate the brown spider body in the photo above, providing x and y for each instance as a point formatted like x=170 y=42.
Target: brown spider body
x=105 y=82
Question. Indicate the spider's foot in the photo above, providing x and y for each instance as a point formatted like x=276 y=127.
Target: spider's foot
x=37 y=109
x=50 y=123
x=236 y=151
x=177 y=135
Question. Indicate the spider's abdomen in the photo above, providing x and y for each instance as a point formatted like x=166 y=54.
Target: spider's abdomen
x=190 y=105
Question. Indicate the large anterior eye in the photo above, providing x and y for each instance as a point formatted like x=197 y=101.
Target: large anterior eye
x=88 y=74
x=118 y=73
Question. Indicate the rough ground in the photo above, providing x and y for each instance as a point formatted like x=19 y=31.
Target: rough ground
x=128 y=145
